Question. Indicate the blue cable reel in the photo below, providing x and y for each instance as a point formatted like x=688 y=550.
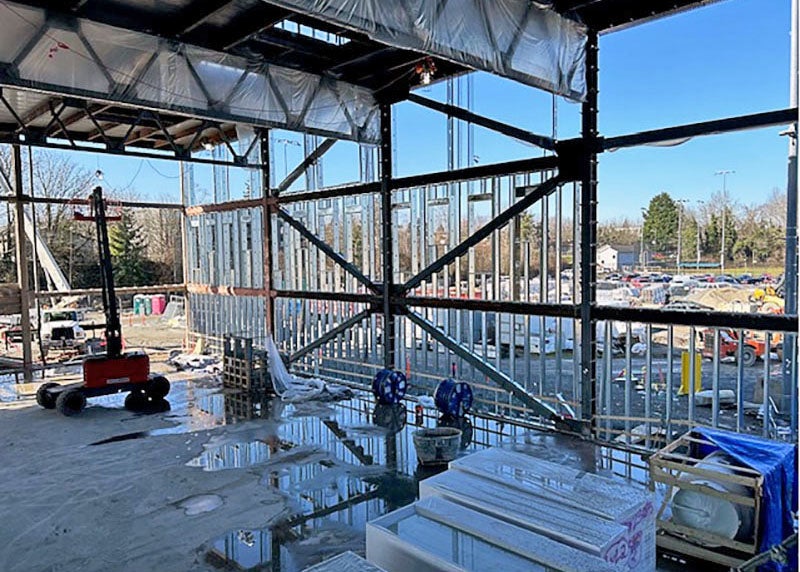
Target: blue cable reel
x=389 y=386
x=453 y=398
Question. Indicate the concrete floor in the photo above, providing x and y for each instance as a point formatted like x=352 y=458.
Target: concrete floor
x=219 y=481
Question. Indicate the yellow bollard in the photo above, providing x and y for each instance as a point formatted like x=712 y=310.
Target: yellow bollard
x=698 y=366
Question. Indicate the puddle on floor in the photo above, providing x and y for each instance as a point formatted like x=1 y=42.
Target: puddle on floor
x=337 y=470
x=199 y=504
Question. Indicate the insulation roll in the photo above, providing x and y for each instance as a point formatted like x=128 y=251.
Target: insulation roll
x=713 y=514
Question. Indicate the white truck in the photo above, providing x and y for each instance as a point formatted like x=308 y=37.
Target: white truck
x=61 y=329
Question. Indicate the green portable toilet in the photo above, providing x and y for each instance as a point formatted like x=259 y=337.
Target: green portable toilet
x=138 y=304
x=148 y=305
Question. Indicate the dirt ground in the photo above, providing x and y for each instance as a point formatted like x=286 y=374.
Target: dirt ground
x=127 y=505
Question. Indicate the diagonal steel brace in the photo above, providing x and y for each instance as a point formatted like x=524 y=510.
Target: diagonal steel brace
x=330 y=334
x=541 y=191
x=488 y=370
x=348 y=267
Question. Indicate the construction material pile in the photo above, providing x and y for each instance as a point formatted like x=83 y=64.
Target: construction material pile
x=722 y=299
x=498 y=509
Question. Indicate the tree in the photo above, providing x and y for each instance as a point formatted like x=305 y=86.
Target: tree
x=661 y=223
x=618 y=231
x=127 y=252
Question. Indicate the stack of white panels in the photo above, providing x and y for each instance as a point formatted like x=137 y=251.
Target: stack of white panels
x=596 y=498
x=437 y=535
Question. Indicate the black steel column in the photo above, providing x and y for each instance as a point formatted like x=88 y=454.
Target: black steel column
x=386 y=234
x=588 y=215
x=789 y=401
x=266 y=215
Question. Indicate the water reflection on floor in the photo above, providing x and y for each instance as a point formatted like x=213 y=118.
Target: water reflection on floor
x=339 y=465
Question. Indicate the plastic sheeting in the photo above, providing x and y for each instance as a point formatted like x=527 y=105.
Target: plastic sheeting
x=294 y=388
x=777 y=462
x=112 y=64
x=520 y=39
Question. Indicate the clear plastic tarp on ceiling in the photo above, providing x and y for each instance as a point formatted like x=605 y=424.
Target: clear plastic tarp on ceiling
x=105 y=63
x=525 y=40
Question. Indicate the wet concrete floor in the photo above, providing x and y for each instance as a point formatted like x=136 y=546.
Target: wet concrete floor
x=333 y=466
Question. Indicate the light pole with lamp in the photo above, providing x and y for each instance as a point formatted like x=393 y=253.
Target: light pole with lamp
x=286 y=142
x=724 y=208
x=642 y=257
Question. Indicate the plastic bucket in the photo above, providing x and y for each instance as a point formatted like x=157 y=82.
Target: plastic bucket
x=389 y=386
x=453 y=398
x=436 y=446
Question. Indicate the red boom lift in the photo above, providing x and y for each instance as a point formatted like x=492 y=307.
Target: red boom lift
x=114 y=371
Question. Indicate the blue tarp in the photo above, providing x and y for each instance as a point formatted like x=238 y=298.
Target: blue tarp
x=777 y=462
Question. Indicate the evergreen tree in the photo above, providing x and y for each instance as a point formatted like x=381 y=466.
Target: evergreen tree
x=661 y=223
x=127 y=253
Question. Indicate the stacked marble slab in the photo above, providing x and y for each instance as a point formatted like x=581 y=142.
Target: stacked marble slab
x=511 y=511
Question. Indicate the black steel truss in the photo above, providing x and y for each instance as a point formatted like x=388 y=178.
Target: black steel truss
x=148 y=132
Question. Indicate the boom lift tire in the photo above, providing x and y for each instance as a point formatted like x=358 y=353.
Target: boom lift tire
x=70 y=402
x=44 y=398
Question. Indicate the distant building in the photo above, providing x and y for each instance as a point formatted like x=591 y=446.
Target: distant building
x=617 y=257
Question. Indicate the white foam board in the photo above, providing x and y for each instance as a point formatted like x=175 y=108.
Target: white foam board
x=435 y=535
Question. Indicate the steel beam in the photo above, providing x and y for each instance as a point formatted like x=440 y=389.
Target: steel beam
x=193 y=288
x=588 y=233
x=504 y=381
x=266 y=218
x=517 y=308
x=466 y=115
x=348 y=267
x=159 y=289
x=709 y=319
x=790 y=259
x=62 y=201
x=386 y=235
x=330 y=335
x=467 y=174
x=298 y=171
x=714 y=127
x=541 y=191
x=355 y=298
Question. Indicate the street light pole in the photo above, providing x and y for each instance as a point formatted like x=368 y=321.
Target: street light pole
x=286 y=143
x=724 y=208
x=697 y=264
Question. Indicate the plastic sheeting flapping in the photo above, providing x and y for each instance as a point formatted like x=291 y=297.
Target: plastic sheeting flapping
x=519 y=39
x=112 y=64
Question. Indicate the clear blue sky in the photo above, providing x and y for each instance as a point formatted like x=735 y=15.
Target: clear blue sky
x=725 y=59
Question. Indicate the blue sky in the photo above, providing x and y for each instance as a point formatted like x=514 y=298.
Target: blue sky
x=726 y=59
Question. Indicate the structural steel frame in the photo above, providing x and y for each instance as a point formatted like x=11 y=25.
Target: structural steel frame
x=575 y=160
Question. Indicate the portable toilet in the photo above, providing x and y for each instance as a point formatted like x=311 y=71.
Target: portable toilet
x=159 y=304
x=148 y=305
x=138 y=304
